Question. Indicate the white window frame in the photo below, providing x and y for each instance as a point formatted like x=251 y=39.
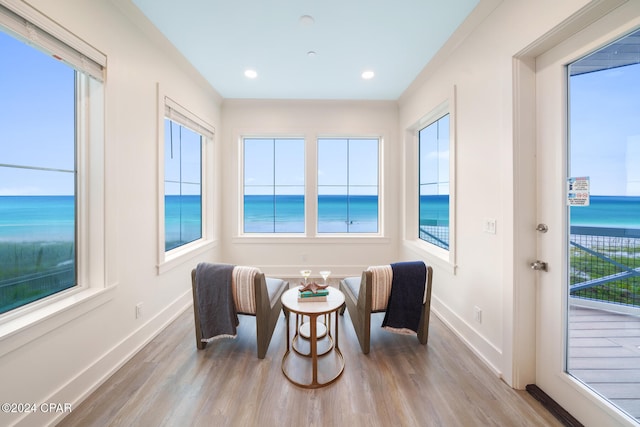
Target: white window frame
x=311 y=194
x=435 y=122
x=168 y=108
x=444 y=258
x=241 y=227
x=95 y=239
x=348 y=234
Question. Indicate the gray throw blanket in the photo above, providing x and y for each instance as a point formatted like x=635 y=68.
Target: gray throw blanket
x=404 y=307
x=214 y=296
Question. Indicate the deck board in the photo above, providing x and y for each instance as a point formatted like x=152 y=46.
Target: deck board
x=608 y=375
x=604 y=353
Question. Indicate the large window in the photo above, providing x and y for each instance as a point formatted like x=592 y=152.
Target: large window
x=348 y=185
x=274 y=185
x=434 y=183
x=182 y=185
x=46 y=90
x=185 y=201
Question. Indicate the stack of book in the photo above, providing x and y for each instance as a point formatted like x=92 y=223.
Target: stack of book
x=310 y=296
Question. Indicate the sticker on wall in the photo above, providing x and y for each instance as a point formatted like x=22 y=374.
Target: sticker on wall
x=578 y=191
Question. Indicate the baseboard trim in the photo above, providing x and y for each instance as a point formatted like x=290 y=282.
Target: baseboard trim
x=478 y=344
x=89 y=379
x=552 y=406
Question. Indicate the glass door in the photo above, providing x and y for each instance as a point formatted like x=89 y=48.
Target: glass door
x=603 y=195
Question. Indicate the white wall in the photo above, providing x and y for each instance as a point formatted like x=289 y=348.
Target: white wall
x=66 y=363
x=310 y=120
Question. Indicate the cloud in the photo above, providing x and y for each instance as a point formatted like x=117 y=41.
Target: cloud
x=20 y=191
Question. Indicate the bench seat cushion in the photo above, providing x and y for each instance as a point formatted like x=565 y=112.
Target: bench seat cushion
x=273 y=288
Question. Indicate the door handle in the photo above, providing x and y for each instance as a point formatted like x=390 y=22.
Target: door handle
x=539 y=266
x=543 y=228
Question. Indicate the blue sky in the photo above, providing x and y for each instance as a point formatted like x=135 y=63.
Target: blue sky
x=340 y=160
x=352 y=161
x=37 y=120
x=182 y=153
x=434 y=157
x=605 y=129
x=37 y=110
x=264 y=157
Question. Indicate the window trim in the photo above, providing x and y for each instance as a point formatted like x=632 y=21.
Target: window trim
x=96 y=281
x=443 y=257
x=167 y=107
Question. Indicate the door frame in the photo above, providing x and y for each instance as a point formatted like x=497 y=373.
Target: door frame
x=525 y=191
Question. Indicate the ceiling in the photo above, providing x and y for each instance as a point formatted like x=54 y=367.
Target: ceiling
x=393 y=38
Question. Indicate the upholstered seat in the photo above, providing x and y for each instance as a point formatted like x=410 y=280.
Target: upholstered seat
x=253 y=295
x=362 y=299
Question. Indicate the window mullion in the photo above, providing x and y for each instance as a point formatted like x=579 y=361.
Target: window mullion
x=348 y=187
x=274 y=184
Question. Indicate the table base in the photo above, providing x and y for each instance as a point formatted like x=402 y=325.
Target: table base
x=312 y=363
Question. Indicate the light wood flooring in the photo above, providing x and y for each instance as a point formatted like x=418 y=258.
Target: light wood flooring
x=604 y=352
x=400 y=383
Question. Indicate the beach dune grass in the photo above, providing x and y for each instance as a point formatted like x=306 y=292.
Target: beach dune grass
x=33 y=270
x=585 y=266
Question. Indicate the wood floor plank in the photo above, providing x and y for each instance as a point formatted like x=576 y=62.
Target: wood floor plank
x=400 y=382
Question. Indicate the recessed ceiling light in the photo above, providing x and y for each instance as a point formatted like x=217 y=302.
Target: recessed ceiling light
x=311 y=53
x=307 y=20
x=367 y=75
x=250 y=74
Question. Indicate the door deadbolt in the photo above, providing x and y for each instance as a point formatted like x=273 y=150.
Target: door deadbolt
x=539 y=266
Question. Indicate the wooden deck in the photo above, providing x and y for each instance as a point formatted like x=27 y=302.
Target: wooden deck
x=604 y=353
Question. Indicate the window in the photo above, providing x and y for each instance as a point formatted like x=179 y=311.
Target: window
x=184 y=198
x=434 y=183
x=348 y=185
x=182 y=185
x=49 y=112
x=185 y=204
x=273 y=185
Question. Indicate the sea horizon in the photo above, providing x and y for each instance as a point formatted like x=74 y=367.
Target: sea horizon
x=52 y=218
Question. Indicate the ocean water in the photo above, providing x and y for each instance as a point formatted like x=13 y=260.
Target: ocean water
x=273 y=214
x=51 y=218
x=183 y=220
x=608 y=211
x=347 y=214
x=434 y=210
x=37 y=218
x=285 y=214
x=43 y=227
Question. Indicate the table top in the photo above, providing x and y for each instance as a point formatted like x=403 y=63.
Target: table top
x=335 y=299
